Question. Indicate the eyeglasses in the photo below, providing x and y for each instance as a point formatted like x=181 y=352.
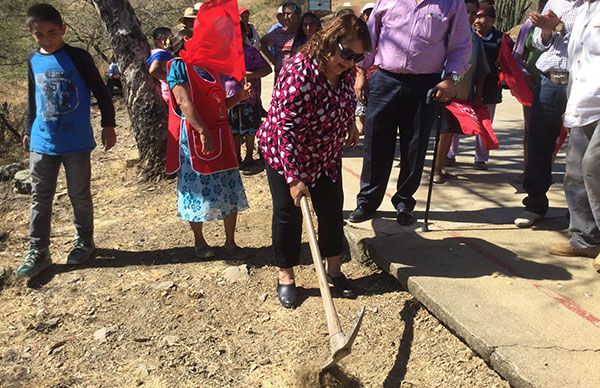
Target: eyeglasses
x=349 y=55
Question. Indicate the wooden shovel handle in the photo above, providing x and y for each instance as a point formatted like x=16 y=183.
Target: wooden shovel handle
x=333 y=322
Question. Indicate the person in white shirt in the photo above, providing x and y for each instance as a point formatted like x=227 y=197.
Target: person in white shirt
x=582 y=116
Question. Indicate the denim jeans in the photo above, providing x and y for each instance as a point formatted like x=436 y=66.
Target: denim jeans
x=544 y=128
x=44 y=173
x=582 y=185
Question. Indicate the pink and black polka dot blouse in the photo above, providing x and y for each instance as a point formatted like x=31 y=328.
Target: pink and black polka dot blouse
x=303 y=134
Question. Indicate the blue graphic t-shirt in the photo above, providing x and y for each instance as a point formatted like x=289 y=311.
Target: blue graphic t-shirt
x=62 y=100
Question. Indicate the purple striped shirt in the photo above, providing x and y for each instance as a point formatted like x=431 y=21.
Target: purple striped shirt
x=425 y=38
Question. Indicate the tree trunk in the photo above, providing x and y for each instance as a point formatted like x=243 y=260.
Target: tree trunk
x=147 y=110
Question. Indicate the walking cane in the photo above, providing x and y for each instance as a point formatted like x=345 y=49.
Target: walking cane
x=438 y=106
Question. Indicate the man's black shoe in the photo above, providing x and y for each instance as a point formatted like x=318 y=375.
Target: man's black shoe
x=360 y=215
x=405 y=217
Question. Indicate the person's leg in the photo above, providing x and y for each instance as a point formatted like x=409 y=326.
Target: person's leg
x=453 y=150
x=526 y=123
x=546 y=120
x=230 y=221
x=417 y=120
x=238 y=147
x=443 y=147
x=44 y=173
x=249 y=149
x=582 y=186
x=381 y=129
x=482 y=154
x=199 y=241
x=78 y=171
x=328 y=202
x=286 y=227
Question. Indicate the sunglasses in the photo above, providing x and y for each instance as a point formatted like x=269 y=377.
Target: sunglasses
x=349 y=55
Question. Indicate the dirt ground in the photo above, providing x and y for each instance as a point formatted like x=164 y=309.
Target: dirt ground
x=145 y=312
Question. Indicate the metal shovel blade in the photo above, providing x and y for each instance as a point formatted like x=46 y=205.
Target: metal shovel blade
x=341 y=344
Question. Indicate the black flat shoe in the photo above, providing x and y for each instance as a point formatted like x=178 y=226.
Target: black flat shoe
x=360 y=215
x=287 y=295
x=342 y=286
x=405 y=217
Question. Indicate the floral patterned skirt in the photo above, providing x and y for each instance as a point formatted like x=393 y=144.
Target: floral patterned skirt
x=202 y=198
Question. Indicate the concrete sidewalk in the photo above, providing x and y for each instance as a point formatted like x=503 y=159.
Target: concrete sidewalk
x=533 y=316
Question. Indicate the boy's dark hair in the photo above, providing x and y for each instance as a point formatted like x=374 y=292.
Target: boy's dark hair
x=474 y=2
x=43 y=12
x=160 y=32
x=487 y=10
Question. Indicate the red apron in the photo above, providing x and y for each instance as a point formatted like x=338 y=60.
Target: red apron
x=208 y=97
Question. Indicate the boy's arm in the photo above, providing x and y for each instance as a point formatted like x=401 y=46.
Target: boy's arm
x=31 y=107
x=158 y=69
x=87 y=69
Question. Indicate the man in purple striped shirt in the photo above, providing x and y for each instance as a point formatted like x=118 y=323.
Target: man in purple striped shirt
x=414 y=42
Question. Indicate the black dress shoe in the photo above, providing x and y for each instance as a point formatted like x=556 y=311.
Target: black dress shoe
x=342 y=286
x=287 y=295
x=360 y=215
x=405 y=217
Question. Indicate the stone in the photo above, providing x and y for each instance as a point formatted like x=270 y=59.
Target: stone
x=165 y=286
x=8 y=171
x=170 y=340
x=263 y=297
x=47 y=325
x=22 y=182
x=103 y=333
x=236 y=273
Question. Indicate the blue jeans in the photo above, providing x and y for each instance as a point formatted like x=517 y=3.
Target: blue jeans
x=582 y=185
x=546 y=121
x=44 y=173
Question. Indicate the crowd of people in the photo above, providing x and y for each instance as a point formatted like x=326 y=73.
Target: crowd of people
x=359 y=73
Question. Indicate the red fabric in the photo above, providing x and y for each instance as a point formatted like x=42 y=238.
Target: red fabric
x=512 y=75
x=474 y=121
x=561 y=139
x=209 y=99
x=217 y=40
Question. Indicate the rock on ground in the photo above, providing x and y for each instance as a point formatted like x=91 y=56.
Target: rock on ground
x=22 y=182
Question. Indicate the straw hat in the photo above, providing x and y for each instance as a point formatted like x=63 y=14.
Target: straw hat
x=189 y=13
x=366 y=7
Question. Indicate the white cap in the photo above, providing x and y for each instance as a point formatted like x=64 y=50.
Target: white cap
x=280 y=9
x=366 y=7
x=197 y=6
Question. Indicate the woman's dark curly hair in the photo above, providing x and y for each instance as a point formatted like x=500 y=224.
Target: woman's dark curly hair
x=342 y=29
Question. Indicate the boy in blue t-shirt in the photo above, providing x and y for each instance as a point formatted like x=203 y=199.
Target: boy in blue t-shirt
x=59 y=131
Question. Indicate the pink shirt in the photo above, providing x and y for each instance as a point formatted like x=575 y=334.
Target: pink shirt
x=425 y=38
x=303 y=135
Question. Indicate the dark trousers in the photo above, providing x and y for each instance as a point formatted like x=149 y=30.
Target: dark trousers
x=547 y=110
x=395 y=102
x=44 y=174
x=328 y=201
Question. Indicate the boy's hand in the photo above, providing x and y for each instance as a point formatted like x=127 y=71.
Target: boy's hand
x=109 y=138
x=26 y=142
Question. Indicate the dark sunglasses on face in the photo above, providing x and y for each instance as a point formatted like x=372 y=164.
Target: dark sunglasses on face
x=349 y=55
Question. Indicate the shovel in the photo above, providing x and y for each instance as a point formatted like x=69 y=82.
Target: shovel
x=339 y=343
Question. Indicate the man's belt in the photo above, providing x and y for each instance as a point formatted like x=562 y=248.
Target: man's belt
x=557 y=77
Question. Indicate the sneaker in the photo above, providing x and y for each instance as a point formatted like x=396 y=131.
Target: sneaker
x=480 y=166
x=36 y=261
x=527 y=219
x=82 y=252
x=566 y=249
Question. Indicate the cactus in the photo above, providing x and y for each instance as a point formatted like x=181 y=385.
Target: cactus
x=510 y=13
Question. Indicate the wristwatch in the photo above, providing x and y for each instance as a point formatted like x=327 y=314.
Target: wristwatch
x=454 y=77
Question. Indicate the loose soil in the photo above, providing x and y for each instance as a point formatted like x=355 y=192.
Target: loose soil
x=172 y=320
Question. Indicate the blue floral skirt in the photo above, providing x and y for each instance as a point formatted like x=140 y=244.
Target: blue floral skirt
x=202 y=198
